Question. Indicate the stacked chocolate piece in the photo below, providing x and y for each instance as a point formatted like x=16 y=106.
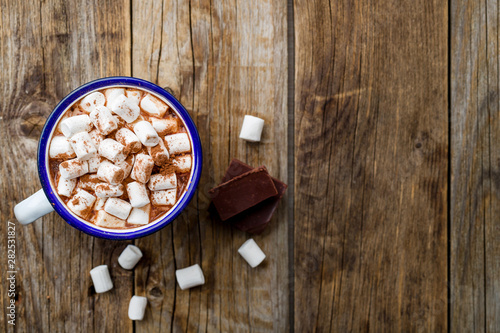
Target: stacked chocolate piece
x=247 y=197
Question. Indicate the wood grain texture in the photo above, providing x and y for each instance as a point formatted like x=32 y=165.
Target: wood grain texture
x=222 y=59
x=371 y=166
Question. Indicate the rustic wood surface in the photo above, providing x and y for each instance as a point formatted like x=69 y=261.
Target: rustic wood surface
x=382 y=116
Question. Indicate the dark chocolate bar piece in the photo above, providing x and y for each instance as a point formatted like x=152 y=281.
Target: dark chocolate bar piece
x=242 y=192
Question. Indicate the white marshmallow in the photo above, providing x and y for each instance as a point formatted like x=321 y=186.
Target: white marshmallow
x=83 y=146
x=91 y=101
x=65 y=186
x=178 y=143
x=81 y=203
x=139 y=215
x=164 y=198
x=99 y=203
x=108 y=191
x=133 y=95
x=251 y=129
x=106 y=220
x=143 y=166
x=165 y=126
x=73 y=168
x=183 y=163
x=130 y=257
x=61 y=148
x=128 y=139
x=137 y=307
x=110 y=173
x=101 y=279
x=189 y=277
x=111 y=95
x=153 y=106
x=125 y=108
x=112 y=150
x=103 y=120
x=162 y=182
x=252 y=253
x=88 y=182
x=137 y=194
x=72 y=125
x=96 y=137
x=117 y=207
x=126 y=165
x=94 y=163
x=146 y=134
x=159 y=153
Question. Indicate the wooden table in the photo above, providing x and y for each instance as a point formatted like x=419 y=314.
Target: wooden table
x=382 y=116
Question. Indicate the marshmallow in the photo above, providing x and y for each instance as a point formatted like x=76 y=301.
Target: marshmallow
x=99 y=203
x=72 y=125
x=111 y=95
x=91 y=101
x=101 y=279
x=126 y=165
x=106 y=220
x=178 y=143
x=159 y=153
x=137 y=194
x=189 y=277
x=183 y=163
x=128 y=139
x=252 y=253
x=108 y=191
x=94 y=163
x=143 y=166
x=137 y=307
x=112 y=150
x=96 y=137
x=162 y=182
x=130 y=257
x=110 y=173
x=88 y=182
x=133 y=95
x=146 y=133
x=117 y=207
x=153 y=106
x=139 y=215
x=65 y=186
x=83 y=146
x=103 y=120
x=165 y=126
x=251 y=129
x=163 y=198
x=81 y=203
x=61 y=148
x=73 y=168
x=125 y=108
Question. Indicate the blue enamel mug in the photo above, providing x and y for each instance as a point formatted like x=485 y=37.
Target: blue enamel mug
x=46 y=200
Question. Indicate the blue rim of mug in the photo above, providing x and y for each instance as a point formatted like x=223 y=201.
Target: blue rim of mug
x=87 y=227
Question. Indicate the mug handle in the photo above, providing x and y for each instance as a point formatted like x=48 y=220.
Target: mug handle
x=32 y=208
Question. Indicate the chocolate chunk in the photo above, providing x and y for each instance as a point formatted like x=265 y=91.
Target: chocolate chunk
x=242 y=192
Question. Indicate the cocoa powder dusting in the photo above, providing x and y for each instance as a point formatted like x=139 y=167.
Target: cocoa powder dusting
x=167 y=168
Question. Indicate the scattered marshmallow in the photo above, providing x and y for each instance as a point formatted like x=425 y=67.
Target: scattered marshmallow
x=128 y=139
x=125 y=108
x=83 y=146
x=112 y=150
x=252 y=128
x=183 y=163
x=164 y=198
x=103 y=120
x=91 y=101
x=162 y=182
x=143 y=166
x=96 y=137
x=112 y=94
x=61 y=148
x=117 y=207
x=73 y=168
x=101 y=279
x=94 y=163
x=146 y=133
x=159 y=153
x=178 y=143
x=88 y=182
x=65 y=186
x=139 y=215
x=106 y=220
x=189 y=277
x=252 y=253
x=81 y=203
x=99 y=203
x=137 y=307
x=72 y=125
x=165 y=126
x=109 y=191
x=130 y=257
x=137 y=194
x=110 y=173
x=133 y=95
x=126 y=165
x=153 y=106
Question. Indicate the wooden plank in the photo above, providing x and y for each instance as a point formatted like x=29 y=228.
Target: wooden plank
x=50 y=48
x=371 y=166
x=222 y=59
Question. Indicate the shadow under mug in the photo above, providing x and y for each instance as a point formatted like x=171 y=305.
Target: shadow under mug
x=46 y=200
